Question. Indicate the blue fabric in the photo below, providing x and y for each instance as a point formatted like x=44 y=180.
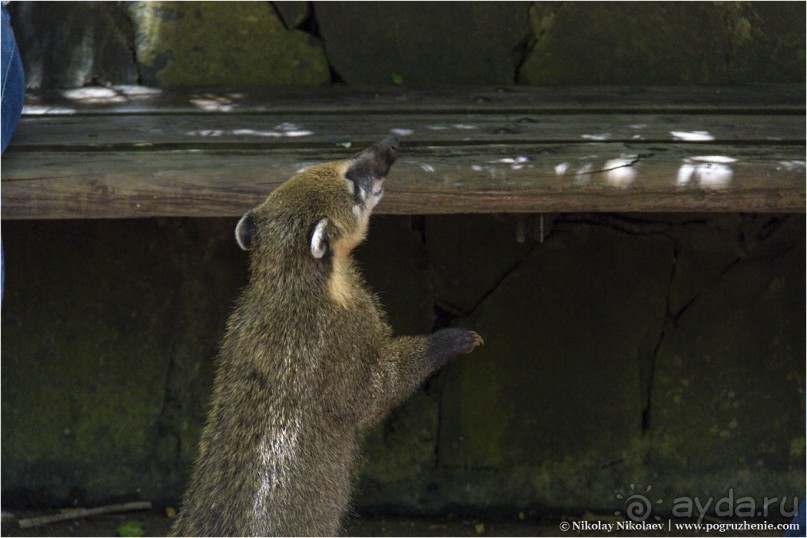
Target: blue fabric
x=12 y=81
x=12 y=91
x=799 y=520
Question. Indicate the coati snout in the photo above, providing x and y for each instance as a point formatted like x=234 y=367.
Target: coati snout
x=307 y=364
x=369 y=168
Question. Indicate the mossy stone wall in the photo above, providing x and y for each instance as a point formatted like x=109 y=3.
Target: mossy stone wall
x=246 y=44
x=218 y=44
x=665 y=43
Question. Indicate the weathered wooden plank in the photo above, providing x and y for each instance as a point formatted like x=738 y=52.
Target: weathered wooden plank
x=286 y=129
x=129 y=152
x=426 y=180
x=785 y=98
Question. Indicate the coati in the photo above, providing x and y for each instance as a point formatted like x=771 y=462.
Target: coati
x=307 y=362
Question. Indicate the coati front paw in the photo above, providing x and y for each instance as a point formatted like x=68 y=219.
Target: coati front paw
x=448 y=343
x=466 y=341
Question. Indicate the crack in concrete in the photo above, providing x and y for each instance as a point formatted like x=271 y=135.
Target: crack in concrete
x=622 y=224
x=636 y=227
x=647 y=360
x=675 y=316
x=501 y=280
x=648 y=376
x=628 y=226
x=417 y=224
x=166 y=422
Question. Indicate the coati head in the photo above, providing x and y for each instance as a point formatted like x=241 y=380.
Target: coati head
x=321 y=213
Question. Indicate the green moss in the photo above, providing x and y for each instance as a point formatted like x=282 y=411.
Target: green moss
x=404 y=446
x=130 y=528
x=767 y=41
x=732 y=362
x=83 y=364
x=613 y=43
x=665 y=43
x=106 y=351
x=223 y=44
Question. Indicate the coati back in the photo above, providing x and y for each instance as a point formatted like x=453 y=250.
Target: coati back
x=307 y=363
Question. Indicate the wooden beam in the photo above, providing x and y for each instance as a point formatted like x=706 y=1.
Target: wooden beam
x=135 y=152
x=352 y=130
x=425 y=180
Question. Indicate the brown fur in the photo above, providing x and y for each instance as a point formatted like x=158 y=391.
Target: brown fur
x=307 y=363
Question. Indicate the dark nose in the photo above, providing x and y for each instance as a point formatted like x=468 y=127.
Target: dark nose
x=375 y=161
x=391 y=141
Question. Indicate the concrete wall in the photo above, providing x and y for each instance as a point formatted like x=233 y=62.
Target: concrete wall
x=665 y=351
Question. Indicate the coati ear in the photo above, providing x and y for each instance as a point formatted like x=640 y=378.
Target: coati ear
x=319 y=240
x=245 y=231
